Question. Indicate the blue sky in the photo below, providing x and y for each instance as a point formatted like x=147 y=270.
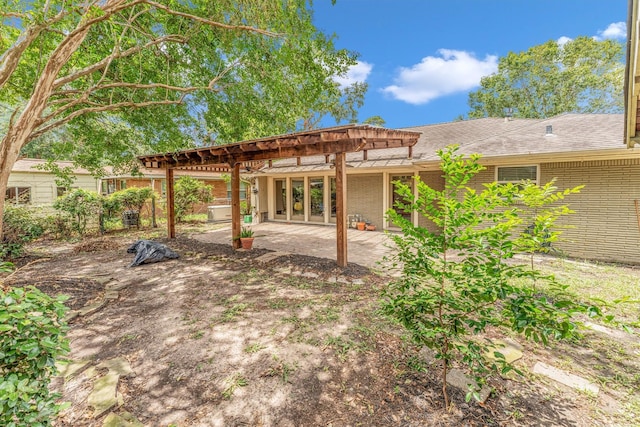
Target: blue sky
x=422 y=57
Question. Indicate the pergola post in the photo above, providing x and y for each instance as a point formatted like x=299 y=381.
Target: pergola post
x=171 y=211
x=235 y=204
x=341 y=209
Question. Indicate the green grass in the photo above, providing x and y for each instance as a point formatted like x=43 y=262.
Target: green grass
x=233 y=382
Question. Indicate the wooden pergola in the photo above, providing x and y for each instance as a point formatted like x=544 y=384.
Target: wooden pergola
x=252 y=155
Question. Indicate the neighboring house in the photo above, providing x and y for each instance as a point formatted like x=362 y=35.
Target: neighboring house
x=30 y=185
x=576 y=149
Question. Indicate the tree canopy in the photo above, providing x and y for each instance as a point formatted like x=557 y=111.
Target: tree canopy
x=127 y=77
x=583 y=76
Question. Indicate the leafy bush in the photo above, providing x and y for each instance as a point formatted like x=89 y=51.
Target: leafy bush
x=79 y=205
x=132 y=198
x=459 y=282
x=20 y=227
x=187 y=192
x=32 y=336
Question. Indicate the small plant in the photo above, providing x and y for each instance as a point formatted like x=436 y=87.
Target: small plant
x=246 y=232
x=32 y=337
x=282 y=370
x=232 y=312
x=233 y=382
x=245 y=207
x=254 y=348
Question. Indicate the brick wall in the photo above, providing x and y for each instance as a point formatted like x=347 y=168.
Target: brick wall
x=364 y=197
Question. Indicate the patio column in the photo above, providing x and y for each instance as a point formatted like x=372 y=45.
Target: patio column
x=341 y=209
x=171 y=211
x=235 y=205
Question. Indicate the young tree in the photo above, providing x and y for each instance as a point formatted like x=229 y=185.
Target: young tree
x=460 y=282
x=124 y=77
x=583 y=75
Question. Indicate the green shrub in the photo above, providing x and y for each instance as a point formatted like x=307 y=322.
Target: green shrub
x=32 y=337
x=460 y=282
x=20 y=226
x=187 y=192
x=78 y=206
x=132 y=198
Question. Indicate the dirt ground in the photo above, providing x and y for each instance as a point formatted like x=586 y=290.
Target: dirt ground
x=219 y=338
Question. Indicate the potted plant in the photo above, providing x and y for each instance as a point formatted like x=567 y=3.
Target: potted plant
x=246 y=238
x=245 y=210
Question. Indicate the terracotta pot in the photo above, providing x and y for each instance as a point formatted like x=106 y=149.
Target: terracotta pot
x=246 y=242
x=360 y=226
x=371 y=227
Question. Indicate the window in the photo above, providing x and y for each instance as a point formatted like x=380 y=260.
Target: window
x=395 y=197
x=281 y=198
x=18 y=195
x=108 y=186
x=243 y=190
x=297 y=198
x=316 y=198
x=515 y=174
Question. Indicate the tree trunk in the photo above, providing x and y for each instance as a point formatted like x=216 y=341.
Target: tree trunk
x=20 y=132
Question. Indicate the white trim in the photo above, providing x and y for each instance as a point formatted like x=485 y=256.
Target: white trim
x=415 y=196
x=385 y=199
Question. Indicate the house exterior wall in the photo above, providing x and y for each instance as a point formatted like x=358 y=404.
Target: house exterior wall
x=434 y=180
x=364 y=197
x=605 y=225
x=43 y=185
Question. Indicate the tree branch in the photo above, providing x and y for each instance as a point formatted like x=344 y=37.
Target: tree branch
x=104 y=62
x=11 y=57
x=100 y=109
x=210 y=23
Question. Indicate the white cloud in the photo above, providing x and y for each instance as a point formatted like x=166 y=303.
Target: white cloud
x=563 y=40
x=356 y=74
x=454 y=71
x=616 y=30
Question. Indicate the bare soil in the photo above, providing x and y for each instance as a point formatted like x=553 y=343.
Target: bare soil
x=218 y=338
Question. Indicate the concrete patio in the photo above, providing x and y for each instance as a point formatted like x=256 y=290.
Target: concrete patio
x=364 y=247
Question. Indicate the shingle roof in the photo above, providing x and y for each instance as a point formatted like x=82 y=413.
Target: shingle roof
x=29 y=165
x=491 y=137
x=495 y=137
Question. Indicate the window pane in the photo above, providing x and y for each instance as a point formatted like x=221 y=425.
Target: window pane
x=316 y=196
x=281 y=196
x=517 y=173
x=333 y=197
x=243 y=190
x=24 y=194
x=297 y=196
x=395 y=197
